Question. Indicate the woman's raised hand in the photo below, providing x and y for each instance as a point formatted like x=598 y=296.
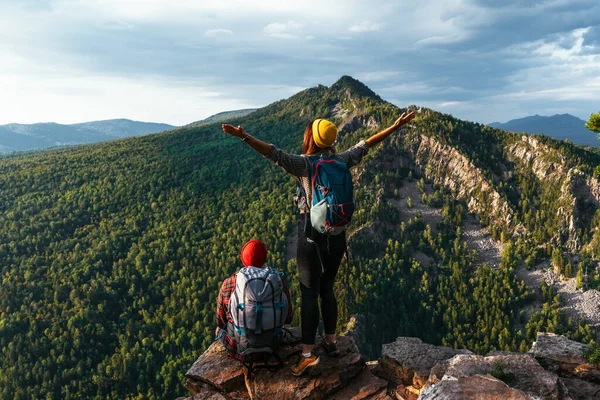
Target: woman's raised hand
x=257 y=144
x=377 y=138
x=234 y=131
x=404 y=118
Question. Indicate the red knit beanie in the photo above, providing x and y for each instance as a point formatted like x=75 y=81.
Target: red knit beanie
x=254 y=254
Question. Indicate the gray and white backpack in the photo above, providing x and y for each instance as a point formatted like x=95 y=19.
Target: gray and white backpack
x=259 y=309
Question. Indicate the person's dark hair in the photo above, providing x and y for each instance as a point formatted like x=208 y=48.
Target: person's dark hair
x=309 y=146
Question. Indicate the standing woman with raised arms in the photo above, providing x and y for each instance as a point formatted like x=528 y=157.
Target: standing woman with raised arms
x=318 y=255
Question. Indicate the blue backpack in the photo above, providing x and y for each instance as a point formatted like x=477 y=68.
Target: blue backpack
x=333 y=196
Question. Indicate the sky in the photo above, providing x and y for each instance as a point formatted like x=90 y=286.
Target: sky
x=179 y=61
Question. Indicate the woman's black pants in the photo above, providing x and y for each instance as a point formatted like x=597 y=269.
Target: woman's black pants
x=317 y=277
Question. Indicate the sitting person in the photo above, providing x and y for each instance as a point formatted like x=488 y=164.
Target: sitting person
x=252 y=306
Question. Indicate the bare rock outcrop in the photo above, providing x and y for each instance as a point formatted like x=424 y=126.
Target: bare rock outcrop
x=446 y=165
x=554 y=369
x=329 y=376
x=408 y=361
x=577 y=189
x=565 y=356
x=558 y=351
x=581 y=390
x=364 y=386
x=355 y=122
x=214 y=374
x=520 y=371
x=480 y=387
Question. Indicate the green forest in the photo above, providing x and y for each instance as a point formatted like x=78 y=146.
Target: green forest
x=112 y=254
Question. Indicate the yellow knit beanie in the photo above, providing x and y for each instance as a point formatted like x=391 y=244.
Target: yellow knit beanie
x=324 y=133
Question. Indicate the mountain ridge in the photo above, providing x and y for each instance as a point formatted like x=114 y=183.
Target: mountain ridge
x=222 y=116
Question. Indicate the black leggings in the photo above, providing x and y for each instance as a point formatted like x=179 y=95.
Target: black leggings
x=314 y=282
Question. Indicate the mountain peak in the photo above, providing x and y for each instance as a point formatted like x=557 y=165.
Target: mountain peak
x=347 y=80
x=354 y=85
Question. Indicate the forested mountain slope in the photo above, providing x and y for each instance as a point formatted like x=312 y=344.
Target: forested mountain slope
x=111 y=254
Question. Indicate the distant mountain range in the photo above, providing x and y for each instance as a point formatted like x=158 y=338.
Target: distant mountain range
x=16 y=137
x=559 y=126
x=223 y=116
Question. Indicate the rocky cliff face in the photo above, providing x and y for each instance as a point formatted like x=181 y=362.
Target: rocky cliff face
x=577 y=191
x=554 y=369
x=445 y=165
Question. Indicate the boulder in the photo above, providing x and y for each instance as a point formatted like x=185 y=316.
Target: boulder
x=565 y=356
x=214 y=368
x=519 y=371
x=408 y=361
x=480 y=387
x=581 y=390
x=558 y=351
x=364 y=386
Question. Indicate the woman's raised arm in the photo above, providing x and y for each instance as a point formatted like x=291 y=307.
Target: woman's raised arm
x=257 y=144
x=378 y=137
x=291 y=163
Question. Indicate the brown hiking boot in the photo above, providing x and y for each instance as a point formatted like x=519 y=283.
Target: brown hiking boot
x=331 y=349
x=304 y=363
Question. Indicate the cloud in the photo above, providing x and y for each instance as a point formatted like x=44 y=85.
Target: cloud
x=365 y=26
x=282 y=30
x=480 y=59
x=116 y=25
x=83 y=98
x=376 y=75
x=440 y=40
x=566 y=47
x=218 y=32
x=557 y=74
x=183 y=10
x=450 y=104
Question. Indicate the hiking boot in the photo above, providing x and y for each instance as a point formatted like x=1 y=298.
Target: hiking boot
x=304 y=363
x=331 y=349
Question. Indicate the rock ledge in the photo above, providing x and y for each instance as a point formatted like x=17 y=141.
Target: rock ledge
x=554 y=369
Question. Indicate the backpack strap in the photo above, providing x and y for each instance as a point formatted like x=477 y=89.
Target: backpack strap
x=220 y=335
x=259 y=313
x=318 y=252
x=250 y=367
